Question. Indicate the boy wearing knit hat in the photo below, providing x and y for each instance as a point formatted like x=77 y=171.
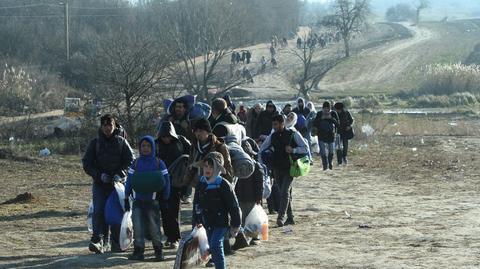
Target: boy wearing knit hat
x=216 y=206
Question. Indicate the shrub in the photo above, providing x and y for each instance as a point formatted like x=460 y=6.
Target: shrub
x=447 y=79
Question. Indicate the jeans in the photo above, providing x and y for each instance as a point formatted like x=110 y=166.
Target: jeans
x=171 y=216
x=100 y=229
x=215 y=240
x=285 y=185
x=342 y=154
x=273 y=201
x=324 y=146
x=145 y=215
x=308 y=137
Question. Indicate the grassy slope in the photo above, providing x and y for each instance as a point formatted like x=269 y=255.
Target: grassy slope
x=383 y=70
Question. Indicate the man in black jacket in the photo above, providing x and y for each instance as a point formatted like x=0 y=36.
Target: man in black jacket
x=173 y=149
x=264 y=122
x=284 y=143
x=106 y=160
x=345 y=131
x=326 y=123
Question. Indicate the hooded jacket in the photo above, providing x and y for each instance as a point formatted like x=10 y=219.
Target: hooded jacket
x=147 y=164
x=251 y=124
x=111 y=155
x=264 y=123
x=198 y=154
x=250 y=190
x=179 y=145
x=302 y=110
x=215 y=201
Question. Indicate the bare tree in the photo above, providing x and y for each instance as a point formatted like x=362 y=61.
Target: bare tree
x=312 y=72
x=202 y=34
x=349 y=16
x=421 y=5
x=130 y=68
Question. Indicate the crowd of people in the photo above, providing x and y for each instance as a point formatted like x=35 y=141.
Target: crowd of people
x=224 y=153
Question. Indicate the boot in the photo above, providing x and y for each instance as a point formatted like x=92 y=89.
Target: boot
x=137 y=254
x=159 y=257
x=330 y=160
x=339 y=157
x=240 y=241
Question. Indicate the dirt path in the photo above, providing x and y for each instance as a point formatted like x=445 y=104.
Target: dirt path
x=416 y=212
x=381 y=65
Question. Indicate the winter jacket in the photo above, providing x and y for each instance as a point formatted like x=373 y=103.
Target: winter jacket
x=264 y=123
x=198 y=153
x=182 y=126
x=111 y=155
x=277 y=141
x=213 y=203
x=179 y=146
x=251 y=123
x=226 y=116
x=326 y=128
x=345 y=121
x=250 y=190
x=147 y=164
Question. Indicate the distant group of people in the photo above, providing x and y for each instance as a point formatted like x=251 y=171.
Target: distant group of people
x=321 y=40
x=224 y=153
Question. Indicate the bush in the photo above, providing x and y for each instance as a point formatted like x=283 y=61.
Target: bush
x=457 y=99
x=448 y=79
x=369 y=102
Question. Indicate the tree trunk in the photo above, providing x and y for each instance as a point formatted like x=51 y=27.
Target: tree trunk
x=346 y=42
x=130 y=122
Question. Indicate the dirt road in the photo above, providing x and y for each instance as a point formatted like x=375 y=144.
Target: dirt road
x=409 y=209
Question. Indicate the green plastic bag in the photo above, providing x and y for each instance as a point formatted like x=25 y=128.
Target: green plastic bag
x=147 y=182
x=299 y=167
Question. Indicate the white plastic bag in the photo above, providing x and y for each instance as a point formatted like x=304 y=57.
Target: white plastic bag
x=201 y=235
x=126 y=231
x=255 y=221
x=315 y=148
x=90 y=217
x=120 y=188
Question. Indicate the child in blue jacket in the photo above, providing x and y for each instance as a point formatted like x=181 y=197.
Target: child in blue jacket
x=216 y=207
x=146 y=204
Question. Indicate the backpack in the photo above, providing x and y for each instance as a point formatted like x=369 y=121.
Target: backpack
x=177 y=171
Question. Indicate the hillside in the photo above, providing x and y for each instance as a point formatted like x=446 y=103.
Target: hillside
x=395 y=66
x=387 y=59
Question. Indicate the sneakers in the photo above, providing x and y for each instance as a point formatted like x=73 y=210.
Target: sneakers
x=96 y=246
x=186 y=200
x=280 y=223
x=171 y=245
x=137 y=254
x=254 y=242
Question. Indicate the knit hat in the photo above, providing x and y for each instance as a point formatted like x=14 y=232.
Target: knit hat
x=202 y=124
x=218 y=162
